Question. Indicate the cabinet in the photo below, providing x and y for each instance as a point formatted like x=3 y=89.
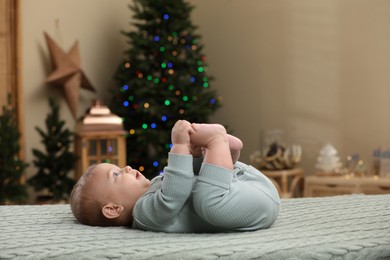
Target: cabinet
x=319 y=186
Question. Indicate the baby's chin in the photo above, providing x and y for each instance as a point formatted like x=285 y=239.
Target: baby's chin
x=145 y=181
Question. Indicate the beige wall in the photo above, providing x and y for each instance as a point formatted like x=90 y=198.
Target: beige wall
x=316 y=69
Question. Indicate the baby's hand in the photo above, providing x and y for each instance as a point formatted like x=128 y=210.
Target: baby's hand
x=181 y=132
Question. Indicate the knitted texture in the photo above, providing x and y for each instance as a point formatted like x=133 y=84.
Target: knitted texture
x=342 y=227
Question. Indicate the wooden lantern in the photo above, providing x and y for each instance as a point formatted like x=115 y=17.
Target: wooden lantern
x=99 y=137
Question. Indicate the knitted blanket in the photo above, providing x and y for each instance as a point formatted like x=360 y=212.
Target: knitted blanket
x=342 y=227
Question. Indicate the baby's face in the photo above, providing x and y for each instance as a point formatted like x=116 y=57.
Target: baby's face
x=123 y=186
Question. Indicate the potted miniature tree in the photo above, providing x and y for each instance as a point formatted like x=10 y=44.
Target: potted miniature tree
x=12 y=189
x=56 y=161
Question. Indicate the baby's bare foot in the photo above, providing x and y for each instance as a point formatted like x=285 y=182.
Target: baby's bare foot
x=235 y=143
x=206 y=134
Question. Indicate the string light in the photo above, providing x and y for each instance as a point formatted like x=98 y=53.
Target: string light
x=131 y=131
x=124 y=88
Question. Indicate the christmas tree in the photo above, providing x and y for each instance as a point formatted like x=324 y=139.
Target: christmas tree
x=11 y=166
x=57 y=160
x=162 y=78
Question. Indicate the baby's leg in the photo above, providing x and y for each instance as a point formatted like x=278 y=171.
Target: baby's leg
x=214 y=139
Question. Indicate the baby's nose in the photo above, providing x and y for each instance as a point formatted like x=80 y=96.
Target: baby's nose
x=127 y=169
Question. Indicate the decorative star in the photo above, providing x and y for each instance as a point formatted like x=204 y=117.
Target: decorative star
x=67 y=73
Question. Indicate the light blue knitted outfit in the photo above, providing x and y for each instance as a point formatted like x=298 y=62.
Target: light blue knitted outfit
x=218 y=200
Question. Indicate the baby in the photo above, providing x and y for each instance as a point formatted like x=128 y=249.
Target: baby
x=203 y=189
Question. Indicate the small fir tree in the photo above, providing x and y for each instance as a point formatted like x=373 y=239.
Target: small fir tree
x=11 y=166
x=162 y=78
x=57 y=160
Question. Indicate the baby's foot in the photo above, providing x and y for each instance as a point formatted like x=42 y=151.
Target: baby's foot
x=235 y=143
x=196 y=150
x=206 y=134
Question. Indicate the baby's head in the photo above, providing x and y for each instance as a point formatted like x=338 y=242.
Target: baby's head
x=105 y=195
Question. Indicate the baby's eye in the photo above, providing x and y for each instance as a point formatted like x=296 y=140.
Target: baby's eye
x=116 y=174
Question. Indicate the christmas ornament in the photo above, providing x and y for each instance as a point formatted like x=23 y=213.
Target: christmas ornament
x=328 y=161
x=67 y=73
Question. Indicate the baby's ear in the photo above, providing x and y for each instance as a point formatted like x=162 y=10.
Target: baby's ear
x=111 y=210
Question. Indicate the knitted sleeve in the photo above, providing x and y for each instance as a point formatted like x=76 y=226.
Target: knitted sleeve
x=236 y=204
x=159 y=207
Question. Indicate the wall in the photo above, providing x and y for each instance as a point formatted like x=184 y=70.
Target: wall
x=96 y=24
x=316 y=69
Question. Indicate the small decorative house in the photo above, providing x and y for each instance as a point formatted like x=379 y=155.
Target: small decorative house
x=99 y=137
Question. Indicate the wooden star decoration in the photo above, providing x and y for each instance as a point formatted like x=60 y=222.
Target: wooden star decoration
x=67 y=73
